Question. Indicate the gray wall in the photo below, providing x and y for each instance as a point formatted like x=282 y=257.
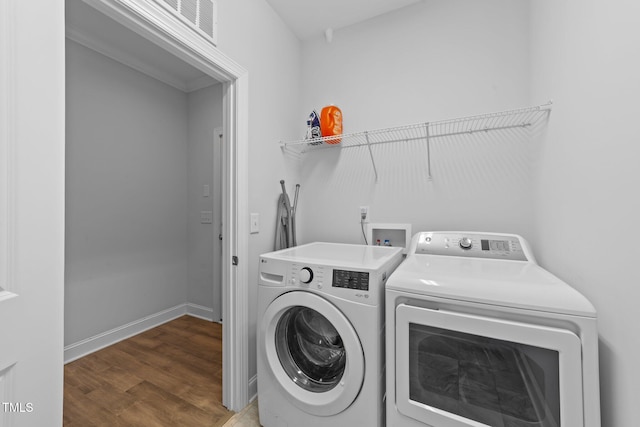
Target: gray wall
x=430 y=61
x=126 y=198
x=587 y=180
x=138 y=155
x=204 y=248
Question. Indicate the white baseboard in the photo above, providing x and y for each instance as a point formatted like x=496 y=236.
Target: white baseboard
x=200 y=311
x=92 y=344
x=253 y=388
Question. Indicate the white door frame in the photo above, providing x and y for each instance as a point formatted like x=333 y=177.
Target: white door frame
x=155 y=23
x=32 y=118
x=216 y=192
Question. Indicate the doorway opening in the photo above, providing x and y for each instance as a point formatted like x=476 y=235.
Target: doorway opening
x=187 y=54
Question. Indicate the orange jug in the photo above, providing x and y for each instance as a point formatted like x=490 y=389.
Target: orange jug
x=331 y=123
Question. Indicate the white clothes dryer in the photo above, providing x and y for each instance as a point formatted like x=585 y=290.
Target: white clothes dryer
x=478 y=335
x=320 y=340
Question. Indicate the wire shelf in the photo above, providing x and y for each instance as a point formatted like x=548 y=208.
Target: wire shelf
x=519 y=118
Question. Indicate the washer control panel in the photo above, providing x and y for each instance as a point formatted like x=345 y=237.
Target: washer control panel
x=472 y=244
x=362 y=286
x=356 y=273
x=314 y=275
x=351 y=279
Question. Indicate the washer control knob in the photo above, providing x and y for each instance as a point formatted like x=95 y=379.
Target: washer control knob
x=306 y=275
x=466 y=243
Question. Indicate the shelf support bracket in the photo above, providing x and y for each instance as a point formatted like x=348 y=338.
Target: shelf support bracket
x=373 y=162
x=426 y=130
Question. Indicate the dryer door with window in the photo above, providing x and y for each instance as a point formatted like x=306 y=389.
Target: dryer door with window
x=313 y=352
x=461 y=370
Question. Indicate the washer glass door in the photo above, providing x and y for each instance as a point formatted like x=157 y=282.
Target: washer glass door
x=310 y=349
x=313 y=352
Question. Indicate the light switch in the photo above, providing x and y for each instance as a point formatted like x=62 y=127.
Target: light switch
x=206 y=217
x=205 y=190
x=255 y=223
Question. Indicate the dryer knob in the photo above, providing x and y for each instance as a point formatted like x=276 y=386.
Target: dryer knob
x=306 y=275
x=466 y=243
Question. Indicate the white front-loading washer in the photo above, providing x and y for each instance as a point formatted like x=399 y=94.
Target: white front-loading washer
x=320 y=335
x=478 y=334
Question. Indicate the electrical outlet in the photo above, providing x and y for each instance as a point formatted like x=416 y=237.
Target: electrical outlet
x=364 y=213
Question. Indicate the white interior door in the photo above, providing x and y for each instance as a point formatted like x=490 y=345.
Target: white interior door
x=32 y=80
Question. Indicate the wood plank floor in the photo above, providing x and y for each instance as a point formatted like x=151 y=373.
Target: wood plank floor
x=167 y=376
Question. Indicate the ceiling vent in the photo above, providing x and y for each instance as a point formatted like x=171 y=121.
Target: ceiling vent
x=201 y=15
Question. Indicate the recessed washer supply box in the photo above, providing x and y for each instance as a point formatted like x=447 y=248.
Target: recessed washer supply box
x=398 y=235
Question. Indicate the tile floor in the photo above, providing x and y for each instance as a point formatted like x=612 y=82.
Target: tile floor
x=248 y=417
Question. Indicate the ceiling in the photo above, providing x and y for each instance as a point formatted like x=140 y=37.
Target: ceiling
x=309 y=18
x=306 y=18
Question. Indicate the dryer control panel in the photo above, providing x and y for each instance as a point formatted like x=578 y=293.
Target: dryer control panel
x=472 y=244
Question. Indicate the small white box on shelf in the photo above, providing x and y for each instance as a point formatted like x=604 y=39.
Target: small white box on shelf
x=397 y=235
